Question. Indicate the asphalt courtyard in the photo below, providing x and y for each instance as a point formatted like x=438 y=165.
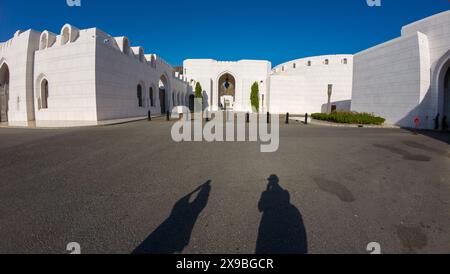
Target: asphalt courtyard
x=130 y=189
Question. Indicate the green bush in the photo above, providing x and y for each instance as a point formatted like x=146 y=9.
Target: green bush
x=198 y=91
x=254 y=97
x=349 y=118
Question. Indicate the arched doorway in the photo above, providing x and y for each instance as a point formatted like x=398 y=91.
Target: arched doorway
x=227 y=91
x=4 y=92
x=44 y=94
x=163 y=89
x=139 y=96
x=150 y=96
x=447 y=94
x=191 y=102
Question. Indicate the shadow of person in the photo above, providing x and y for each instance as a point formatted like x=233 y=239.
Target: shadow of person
x=174 y=234
x=281 y=230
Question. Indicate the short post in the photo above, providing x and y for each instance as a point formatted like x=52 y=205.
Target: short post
x=306 y=118
x=149 y=115
x=268 y=117
x=247 y=118
x=287 y=118
x=168 y=115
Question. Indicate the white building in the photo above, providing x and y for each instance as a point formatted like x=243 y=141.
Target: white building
x=407 y=77
x=301 y=86
x=229 y=80
x=82 y=77
x=87 y=77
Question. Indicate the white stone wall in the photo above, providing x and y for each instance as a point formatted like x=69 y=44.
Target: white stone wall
x=401 y=79
x=94 y=77
x=119 y=72
x=301 y=86
x=17 y=53
x=69 y=68
x=437 y=30
x=387 y=79
x=245 y=72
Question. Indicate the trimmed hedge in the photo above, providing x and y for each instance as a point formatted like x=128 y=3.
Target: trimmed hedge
x=198 y=91
x=349 y=118
x=254 y=97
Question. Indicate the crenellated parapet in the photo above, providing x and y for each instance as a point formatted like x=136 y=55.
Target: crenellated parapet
x=314 y=62
x=70 y=34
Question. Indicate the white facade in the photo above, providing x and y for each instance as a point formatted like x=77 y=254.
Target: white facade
x=243 y=74
x=83 y=77
x=16 y=77
x=301 y=86
x=405 y=78
x=297 y=87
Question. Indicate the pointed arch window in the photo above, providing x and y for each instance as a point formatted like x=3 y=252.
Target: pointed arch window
x=44 y=94
x=139 y=96
x=152 y=103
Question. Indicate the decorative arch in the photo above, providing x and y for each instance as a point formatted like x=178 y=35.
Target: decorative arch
x=125 y=45
x=42 y=91
x=43 y=40
x=3 y=62
x=140 y=93
x=65 y=36
x=440 y=71
x=226 y=87
x=69 y=34
x=164 y=87
x=46 y=40
x=226 y=72
x=5 y=76
x=141 y=55
x=151 y=95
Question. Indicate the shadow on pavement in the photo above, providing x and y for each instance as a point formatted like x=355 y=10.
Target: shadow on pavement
x=174 y=234
x=281 y=230
x=443 y=136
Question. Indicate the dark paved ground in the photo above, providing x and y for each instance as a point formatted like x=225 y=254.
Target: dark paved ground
x=124 y=188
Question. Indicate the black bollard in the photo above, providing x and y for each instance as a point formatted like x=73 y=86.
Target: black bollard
x=268 y=117
x=149 y=115
x=444 y=123
x=287 y=118
x=168 y=116
x=306 y=118
x=437 y=121
x=247 y=118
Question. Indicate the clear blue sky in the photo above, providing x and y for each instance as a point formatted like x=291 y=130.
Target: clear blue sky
x=275 y=30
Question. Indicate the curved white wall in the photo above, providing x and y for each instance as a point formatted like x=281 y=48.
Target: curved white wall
x=400 y=79
x=301 y=86
x=93 y=76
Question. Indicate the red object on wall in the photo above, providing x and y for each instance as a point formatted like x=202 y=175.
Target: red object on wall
x=417 y=121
